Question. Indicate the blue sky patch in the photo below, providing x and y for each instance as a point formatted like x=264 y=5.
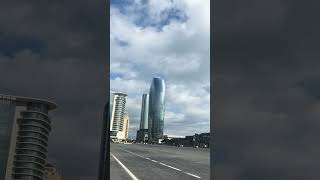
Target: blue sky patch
x=142 y=17
x=121 y=42
x=113 y=76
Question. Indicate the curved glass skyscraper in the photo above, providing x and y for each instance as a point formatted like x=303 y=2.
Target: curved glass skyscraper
x=156 y=110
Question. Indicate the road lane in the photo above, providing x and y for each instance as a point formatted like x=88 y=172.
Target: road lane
x=125 y=168
x=116 y=171
x=163 y=162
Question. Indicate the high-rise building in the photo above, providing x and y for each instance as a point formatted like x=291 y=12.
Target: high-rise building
x=123 y=134
x=51 y=173
x=126 y=125
x=24 y=130
x=142 y=133
x=156 y=110
x=118 y=105
x=144 y=112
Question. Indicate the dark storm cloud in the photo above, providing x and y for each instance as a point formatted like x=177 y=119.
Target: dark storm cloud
x=66 y=28
x=57 y=50
x=266 y=101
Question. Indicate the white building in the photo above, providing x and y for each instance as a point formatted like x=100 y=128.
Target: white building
x=117 y=108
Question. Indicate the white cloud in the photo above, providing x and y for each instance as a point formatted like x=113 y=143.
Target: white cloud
x=179 y=52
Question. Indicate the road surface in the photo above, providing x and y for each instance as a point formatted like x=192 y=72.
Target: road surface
x=158 y=162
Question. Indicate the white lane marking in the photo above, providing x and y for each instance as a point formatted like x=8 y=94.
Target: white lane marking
x=125 y=168
x=193 y=175
x=170 y=166
x=154 y=161
x=134 y=153
x=162 y=164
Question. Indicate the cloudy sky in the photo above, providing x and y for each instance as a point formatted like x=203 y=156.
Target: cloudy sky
x=170 y=39
x=267 y=90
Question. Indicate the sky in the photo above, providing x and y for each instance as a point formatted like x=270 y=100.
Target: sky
x=266 y=90
x=170 y=39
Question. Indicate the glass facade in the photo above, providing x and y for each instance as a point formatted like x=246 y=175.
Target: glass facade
x=156 y=109
x=144 y=112
x=7 y=111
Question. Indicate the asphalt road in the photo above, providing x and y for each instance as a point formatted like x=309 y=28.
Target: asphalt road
x=158 y=162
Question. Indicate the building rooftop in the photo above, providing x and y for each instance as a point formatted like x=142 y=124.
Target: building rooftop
x=22 y=99
x=120 y=93
x=158 y=77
